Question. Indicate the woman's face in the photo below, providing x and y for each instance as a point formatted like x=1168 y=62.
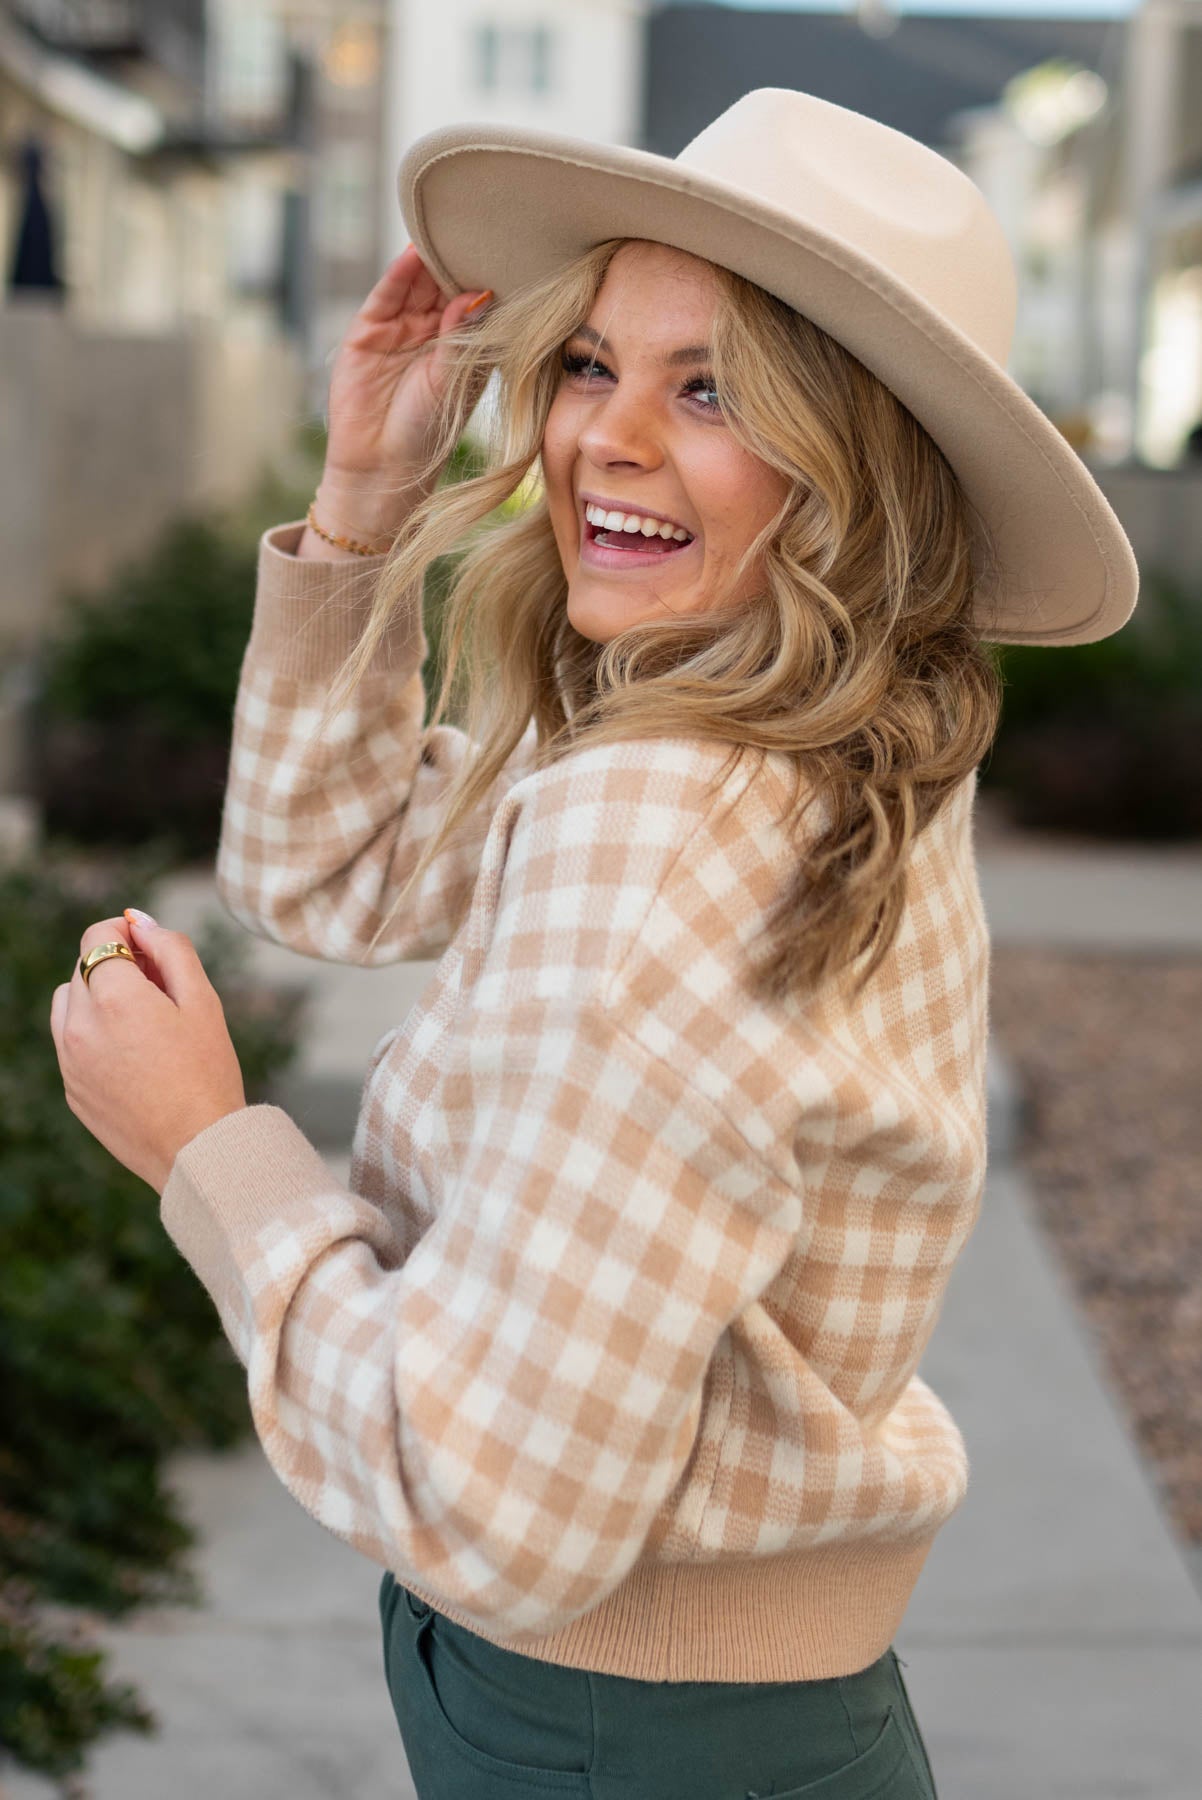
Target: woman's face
x=641 y=432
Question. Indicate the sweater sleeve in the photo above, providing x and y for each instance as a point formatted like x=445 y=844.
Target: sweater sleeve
x=499 y=1414
x=318 y=834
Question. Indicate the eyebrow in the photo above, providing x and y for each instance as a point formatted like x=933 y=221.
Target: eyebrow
x=689 y=353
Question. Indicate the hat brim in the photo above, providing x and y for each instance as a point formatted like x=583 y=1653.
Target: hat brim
x=498 y=207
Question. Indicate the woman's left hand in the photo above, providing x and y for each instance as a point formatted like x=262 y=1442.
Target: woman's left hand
x=146 y=1058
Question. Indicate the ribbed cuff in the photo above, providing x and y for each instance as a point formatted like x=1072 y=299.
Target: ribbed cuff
x=310 y=613
x=251 y=1168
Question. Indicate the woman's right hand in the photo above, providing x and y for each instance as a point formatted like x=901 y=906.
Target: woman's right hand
x=388 y=375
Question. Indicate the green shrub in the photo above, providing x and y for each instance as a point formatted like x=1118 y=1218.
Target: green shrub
x=277 y=497
x=1106 y=738
x=134 y=693
x=1156 y=656
x=111 y=1352
x=54 y=1700
x=164 y=642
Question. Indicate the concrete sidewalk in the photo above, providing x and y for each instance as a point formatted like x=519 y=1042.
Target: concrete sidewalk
x=1053 y=1646
x=1086 y=896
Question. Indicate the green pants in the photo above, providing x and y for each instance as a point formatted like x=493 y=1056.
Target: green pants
x=479 y=1722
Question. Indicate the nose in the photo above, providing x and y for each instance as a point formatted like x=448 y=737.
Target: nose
x=622 y=430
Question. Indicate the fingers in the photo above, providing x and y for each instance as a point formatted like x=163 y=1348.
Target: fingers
x=58 y=1014
x=459 y=308
x=168 y=960
x=72 y=991
x=406 y=284
x=174 y=959
x=107 y=931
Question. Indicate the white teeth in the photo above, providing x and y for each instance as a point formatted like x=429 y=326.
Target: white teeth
x=643 y=523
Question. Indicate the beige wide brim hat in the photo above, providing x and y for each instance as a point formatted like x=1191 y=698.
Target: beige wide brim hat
x=885 y=244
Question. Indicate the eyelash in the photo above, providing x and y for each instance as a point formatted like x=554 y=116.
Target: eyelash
x=573 y=363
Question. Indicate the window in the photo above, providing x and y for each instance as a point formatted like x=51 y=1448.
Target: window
x=250 y=73
x=86 y=25
x=513 y=59
x=540 y=59
x=254 y=244
x=345 y=222
x=486 y=48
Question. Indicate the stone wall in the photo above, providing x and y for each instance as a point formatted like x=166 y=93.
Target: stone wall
x=104 y=437
x=1161 y=511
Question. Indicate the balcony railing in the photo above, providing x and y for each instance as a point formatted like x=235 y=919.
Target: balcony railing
x=83 y=25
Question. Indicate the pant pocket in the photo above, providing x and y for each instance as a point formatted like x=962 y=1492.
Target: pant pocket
x=872 y=1775
x=914 y=1738
x=386 y=1597
x=478 y=1721
x=504 y=1709
x=386 y=1600
x=832 y=1738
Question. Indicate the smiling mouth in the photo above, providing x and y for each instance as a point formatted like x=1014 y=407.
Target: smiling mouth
x=613 y=549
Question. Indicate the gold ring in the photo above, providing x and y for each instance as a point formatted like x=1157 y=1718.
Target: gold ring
x=99 y=953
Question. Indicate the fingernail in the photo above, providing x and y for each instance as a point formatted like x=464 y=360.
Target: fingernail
x=479 y=301
x=136 y=917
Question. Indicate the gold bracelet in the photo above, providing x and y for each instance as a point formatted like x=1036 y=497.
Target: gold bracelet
x=343 y=543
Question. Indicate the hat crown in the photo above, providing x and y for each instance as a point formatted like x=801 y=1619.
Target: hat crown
x=879 y=241
x=883 y=194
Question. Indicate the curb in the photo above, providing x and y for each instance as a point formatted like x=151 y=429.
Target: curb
x=1006 y=1105
x=326 y=1107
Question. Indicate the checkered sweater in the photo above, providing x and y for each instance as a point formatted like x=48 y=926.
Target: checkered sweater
x=609 y=1348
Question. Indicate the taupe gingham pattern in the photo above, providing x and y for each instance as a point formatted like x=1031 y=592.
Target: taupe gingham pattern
x=298 y=811
x=610 y=1347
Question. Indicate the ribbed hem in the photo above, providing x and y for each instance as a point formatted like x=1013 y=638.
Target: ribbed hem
x=798 y=1616
x=310 y=613
x=804 y=1616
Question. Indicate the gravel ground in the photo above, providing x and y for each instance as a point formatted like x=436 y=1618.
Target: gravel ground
x=1107 y=1050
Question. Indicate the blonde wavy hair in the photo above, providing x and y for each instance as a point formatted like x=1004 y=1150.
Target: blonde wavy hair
x=858 y=660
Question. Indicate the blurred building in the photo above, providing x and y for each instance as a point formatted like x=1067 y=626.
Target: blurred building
x=914 y=71
x=343 y=44
x=1100 y=176
x=940 y=78
x=149 y=169
x=1086 y=136
x=386 y=71
x=570 y=66
x=167 y=150
x=1163 y=199
x=155 y=162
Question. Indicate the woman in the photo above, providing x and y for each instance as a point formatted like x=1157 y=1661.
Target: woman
x=608 y=1352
